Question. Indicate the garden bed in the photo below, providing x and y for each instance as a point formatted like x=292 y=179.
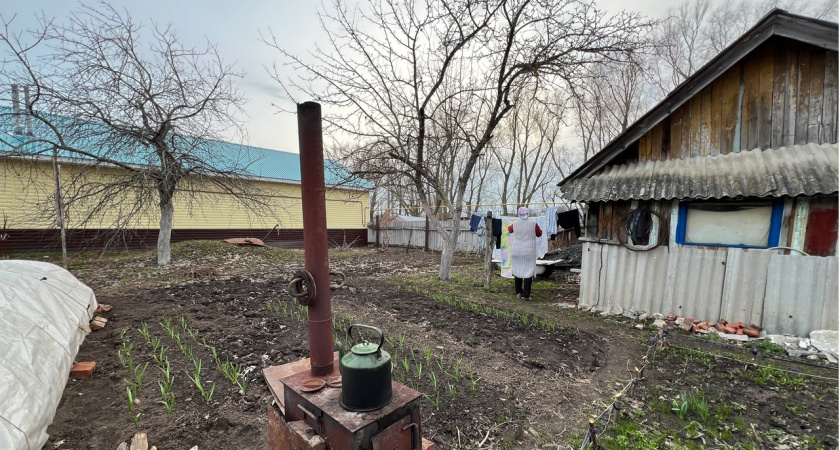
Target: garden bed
x=493 y=370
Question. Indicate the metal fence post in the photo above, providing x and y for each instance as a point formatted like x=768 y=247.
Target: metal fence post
x=488 y=249
x=377 y=231
x=426 y=236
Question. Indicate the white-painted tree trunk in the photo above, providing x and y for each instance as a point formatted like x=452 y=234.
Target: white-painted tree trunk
x=164 y=250
x=449 y=246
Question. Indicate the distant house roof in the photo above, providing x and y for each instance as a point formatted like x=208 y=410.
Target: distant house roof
x=271 y=165
x=778 y=22
x=789 y=171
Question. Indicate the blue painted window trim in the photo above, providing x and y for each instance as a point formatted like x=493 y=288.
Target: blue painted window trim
x=772 y=241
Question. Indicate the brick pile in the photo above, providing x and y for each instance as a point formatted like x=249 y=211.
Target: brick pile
x=722 y=326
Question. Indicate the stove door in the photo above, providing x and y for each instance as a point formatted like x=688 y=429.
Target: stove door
x=399 y=436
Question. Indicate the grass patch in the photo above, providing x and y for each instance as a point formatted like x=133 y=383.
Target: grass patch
x=769 y=347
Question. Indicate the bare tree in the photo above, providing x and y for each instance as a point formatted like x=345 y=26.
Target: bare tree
x=680 y=50
x=140 y=112
x=610 y=98
x=393 y=74
x=525 y=148
x=694 y=31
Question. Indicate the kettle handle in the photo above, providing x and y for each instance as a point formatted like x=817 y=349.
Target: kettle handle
x=377 y=330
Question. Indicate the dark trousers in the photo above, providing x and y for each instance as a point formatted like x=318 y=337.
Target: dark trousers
x=526 y=292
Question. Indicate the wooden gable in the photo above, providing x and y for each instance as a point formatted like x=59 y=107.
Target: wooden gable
x=783 y=94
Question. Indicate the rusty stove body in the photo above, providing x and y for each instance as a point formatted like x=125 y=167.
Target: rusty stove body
x=395 y=426
x=309 y=391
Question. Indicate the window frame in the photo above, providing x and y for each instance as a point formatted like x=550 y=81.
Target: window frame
x=776 y=216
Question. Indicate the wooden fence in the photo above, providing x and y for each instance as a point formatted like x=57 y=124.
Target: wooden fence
x=422 y=235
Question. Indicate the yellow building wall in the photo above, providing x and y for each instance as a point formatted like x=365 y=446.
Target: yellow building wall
x=26 y=198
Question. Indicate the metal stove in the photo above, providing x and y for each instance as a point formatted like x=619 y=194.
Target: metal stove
x=395 y=426
x=309 y=392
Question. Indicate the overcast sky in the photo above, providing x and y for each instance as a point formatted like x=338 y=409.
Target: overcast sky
x=235 y=26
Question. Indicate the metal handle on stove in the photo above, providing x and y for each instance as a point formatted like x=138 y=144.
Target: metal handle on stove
x=414 y=432
x=317 y=425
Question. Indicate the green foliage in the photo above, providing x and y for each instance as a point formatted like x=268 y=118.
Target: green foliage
x=144 y=331
x=132 y=395
x=195 y=377
x=628 y=435
x=769 y=347
x=168 y=396
x=679 y=406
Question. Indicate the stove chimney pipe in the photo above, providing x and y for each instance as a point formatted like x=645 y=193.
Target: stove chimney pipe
x=316 y=255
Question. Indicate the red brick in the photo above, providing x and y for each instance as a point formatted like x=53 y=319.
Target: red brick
x=703 y=326
x=695 y=328
x=102 y=308
x=740 y=325
x=756 y=327
x=729 y=330
x=427 y=444
x=689 y=320
x=720 y=328
x=751 y=332
x=739 y=331
x=98 y=323
x=83 y=369
x=722 y=321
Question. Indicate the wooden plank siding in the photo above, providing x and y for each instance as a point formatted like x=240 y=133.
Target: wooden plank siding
x=829 y=128
x=715 y=105
x=784 y=93
x=730 y=89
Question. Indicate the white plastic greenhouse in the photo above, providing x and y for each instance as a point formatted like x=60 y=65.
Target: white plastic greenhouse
x=44 y=317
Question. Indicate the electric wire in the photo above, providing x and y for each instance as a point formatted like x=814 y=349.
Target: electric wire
x=790 y=359
x=754 y=364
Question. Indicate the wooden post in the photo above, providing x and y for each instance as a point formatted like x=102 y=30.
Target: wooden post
x=377 y=231
x=59 y=208
x=488 y=249
x=426 y=239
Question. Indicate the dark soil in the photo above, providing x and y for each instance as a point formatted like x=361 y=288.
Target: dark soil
x=490 y=378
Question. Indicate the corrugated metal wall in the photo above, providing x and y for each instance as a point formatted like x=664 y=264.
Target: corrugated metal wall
x=784 y=293
x=801 y=294
x=403 y=233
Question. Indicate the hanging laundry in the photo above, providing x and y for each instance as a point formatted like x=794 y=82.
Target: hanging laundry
x=542 y=241
x=475 y=219
x=497 y=232
x=551 y=214
x=569 y=220
x=504 y=246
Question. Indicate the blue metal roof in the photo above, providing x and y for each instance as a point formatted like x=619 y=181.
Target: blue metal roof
x=245 y=159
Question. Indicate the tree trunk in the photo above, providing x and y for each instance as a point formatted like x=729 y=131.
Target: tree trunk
x=164 y=251
x=448 y=251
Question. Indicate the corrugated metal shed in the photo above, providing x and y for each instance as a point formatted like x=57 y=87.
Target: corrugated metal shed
x=801 y=294
x=784 y=293
x=789 y=171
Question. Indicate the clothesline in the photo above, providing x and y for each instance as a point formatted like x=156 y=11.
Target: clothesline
x=554 y=221
x=495 y=208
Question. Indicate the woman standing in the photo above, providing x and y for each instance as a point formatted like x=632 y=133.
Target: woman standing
x=523 y=255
